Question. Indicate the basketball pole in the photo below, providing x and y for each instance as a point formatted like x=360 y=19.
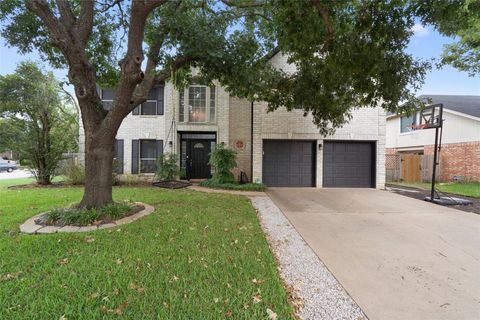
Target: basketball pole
x=438 y=127
x=435 y=163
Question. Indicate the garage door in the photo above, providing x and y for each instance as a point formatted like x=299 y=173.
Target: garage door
x=349 y=164
x=288 y=163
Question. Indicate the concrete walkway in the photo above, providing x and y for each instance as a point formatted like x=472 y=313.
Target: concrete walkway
x=398 y=257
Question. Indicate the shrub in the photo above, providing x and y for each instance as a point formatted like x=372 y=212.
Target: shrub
x=233 y=186
x=167 y=167
x=74 y=173
x=223 y=160
x=82 y=217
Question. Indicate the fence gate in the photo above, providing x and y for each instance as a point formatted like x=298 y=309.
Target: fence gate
x=411 y=167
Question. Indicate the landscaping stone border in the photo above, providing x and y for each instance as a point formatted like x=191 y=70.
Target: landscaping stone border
x=31 y=227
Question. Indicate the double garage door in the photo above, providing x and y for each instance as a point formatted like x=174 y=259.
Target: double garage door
x=293 y=164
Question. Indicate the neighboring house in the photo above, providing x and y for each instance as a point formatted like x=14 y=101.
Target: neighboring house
x=279 y=148
x=460 y=150
x=6 y=155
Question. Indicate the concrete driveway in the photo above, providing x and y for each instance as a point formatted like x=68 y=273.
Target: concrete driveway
x=16 y=174
x=398 y=257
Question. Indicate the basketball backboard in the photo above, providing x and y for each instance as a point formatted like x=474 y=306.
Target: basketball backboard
x=430 y=117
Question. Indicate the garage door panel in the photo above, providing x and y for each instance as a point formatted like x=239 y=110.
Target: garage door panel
x=348 y=164
x=288 y=163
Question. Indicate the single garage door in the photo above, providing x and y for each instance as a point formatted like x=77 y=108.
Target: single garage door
x=288 y=163
x=349 y=164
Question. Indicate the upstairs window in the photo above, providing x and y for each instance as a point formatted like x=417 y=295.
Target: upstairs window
x=197 y=104
x=153 y=106
x=406 y=123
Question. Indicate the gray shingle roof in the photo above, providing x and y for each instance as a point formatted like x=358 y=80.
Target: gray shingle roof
x=465 y=104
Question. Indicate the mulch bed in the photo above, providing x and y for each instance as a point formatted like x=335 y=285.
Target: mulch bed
x=103 y=220
x=172 y=184
x=421 y=194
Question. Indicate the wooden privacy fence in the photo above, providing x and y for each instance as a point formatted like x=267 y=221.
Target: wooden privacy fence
x=410 y=167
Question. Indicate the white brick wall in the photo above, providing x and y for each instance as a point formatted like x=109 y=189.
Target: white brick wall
x=367 y=124
x=159 y=127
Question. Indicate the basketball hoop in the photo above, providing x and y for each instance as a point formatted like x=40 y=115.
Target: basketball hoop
x=421 y=126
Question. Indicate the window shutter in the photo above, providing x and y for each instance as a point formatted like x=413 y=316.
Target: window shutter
x=160 y=100
x=119 y=156
x=135 y=154
x=136 y=111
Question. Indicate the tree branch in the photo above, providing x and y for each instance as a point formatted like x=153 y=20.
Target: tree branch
x=42 y=10
x=326 y=20
x=252 y=4
x=84 y=24
x=66 y=13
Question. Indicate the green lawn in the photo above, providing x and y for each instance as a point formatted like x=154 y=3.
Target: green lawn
x=471 y=189
x=195 y=257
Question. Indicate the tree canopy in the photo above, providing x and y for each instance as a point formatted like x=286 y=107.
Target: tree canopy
x=345 y=54
x=39 y=125
x=348 y=54
x=459 y=19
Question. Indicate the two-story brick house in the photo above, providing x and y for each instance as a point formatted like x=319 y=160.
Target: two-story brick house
x=279 y=148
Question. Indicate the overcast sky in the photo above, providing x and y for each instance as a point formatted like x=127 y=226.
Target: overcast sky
x=426 y=43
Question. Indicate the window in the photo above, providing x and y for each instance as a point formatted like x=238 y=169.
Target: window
x=148 y=156
x=149 y=107
x=212 y=104
x=199 y=104
x=406 y=123
x=181 y=114
x=153 y=106
x=107 y=98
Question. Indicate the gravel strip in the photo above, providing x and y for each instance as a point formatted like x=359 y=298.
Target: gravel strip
x=323 y=296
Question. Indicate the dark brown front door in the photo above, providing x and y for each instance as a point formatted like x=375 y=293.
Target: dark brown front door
x=197 y=159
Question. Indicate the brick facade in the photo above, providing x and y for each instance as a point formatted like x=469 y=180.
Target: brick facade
x=233 y=126
x=458 y=160
x=240 y=135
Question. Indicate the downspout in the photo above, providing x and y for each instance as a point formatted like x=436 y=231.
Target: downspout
x=251 y=142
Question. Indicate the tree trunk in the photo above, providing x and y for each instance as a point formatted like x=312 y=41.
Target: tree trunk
x=98 y=172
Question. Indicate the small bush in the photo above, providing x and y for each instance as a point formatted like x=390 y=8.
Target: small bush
x=74 y=173
x=233 y=186
x=167 y=167
x=223 y=160
x=82 y=217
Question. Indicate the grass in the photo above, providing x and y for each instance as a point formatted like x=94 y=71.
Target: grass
x=18 y=181
x=468 y=189
x=233 y=186
x=194 y=257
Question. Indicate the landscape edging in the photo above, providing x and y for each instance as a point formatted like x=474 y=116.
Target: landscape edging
x=31 y=227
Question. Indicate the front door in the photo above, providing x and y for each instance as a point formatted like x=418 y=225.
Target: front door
x=197 y=159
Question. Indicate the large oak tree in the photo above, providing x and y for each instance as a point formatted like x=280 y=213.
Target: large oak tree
x=348 y=54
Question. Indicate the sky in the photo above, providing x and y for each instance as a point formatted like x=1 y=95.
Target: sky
x=426 y=43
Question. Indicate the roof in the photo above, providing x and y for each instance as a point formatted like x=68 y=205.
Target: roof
x=469 y=105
